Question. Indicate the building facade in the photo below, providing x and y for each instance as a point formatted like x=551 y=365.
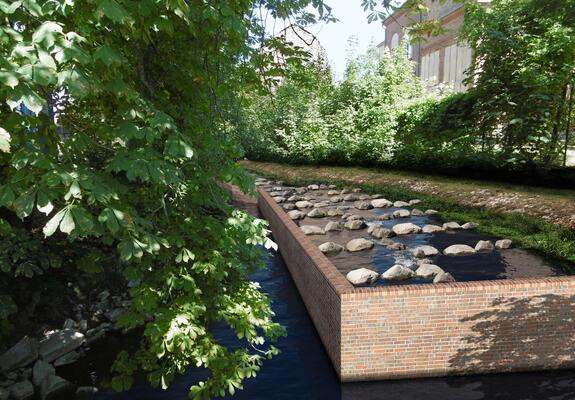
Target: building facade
x=438 y=59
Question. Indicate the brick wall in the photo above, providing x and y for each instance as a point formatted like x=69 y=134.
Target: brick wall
x=428 y=330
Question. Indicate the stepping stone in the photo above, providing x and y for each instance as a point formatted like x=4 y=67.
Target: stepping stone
x=469 y=225
x=376 y=196
x=316 y=213
x=459 y=250
x=332 y=193
x=304 y=204
x=431 y=212
x=428 y=271
x=443 y=278
x=330 y=248
x=351 y=197
x=323 y=187
x=362 y=276
x=313 y=187
x=391 y=245
x=397 y=273
x=384 y=217
x=355 y=225
x=356 y=190
x=334 y=212
x=381 y=203
x=344 y=191
x=334 y=227
x=312 y=230
x=321 y=204
x=332 y=187
x=364 y=197
x=451 y=226
x=414 y=202
x=417 y=212
x=363 y=205
x=400 y=204
x=503 y=244
x=295 y=198
x=288 y=206
x=432 y=229
x=296 y=215
x=425 y=251
x=357 y=245
x=406 y=229
x=484 y=246
x=301 y=190
x=380 y=232
x=335 y=199
x=401 y=214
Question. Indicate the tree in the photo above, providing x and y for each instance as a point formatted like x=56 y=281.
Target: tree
x=114 y=133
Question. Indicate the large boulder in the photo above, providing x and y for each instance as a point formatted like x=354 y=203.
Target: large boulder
x=503 y=244
x=360 y=244
x=66 y=359
x=432 y=229
x=53 y=384
x=363 y=205
x=401 y=213
x=459 y=250
x=41 y=371
x=21 y=391
x=443 y=278
x=21 y=354
x=451 y=226
x=312 y=230
x=397 y=273
x=334 y=227
x=381 y=203
x=316 y=213
x=362 y=276
x=425 y=251
x=60 y=343
x=406 y=229
x=330 y=248
x=484 y=246
x=428 y=271
x=355 y=225
x=296 y=214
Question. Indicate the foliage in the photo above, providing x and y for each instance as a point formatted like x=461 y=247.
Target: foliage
x=114 y=131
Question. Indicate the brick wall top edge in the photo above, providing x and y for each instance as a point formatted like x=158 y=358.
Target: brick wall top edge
x=336 y=280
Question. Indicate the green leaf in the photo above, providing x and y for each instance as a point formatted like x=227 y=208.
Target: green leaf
x=52 y=225
x=107 y=55
x=9 y=8
x=67 y=225
x=25 y=204
x=9 y=78
x=113 y=10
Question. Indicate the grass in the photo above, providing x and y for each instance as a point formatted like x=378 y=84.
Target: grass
x=552 y=241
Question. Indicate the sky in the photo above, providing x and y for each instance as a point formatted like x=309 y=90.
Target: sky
x=352 y=22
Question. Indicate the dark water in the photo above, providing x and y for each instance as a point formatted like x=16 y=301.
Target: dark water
x=304 y=371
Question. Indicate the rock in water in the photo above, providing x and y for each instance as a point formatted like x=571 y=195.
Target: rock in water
x=400 y=204
x=313 y=187
x=406 y=229
x=469 y=225
x=362 y=276
x=356 y=245
x=334 y=227
x=288 y=206
x=431 y=212
x=414 y=202
x=303 y=204
x=21 y=354
x=312 y=230
x=334 y=212
x=363 y=205
x=330 y=248
x=443 y=277
x=380 y=232
x=381 y=203
x=425 y=251
x=484 y=246
x=397 y=273
x=60 y=343
x=417 y=212
x=355 y=225
x=351 y=197
x=503 y=244
x=316 y=213
x=459 y=250
x=451 y=226
x=432 y=229
x=296 y=214
x=401 y=214
x=428 y=271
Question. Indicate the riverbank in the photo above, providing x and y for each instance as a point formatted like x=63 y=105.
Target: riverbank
x=517 y=213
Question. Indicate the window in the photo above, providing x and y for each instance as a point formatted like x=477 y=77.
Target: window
x=394 y=41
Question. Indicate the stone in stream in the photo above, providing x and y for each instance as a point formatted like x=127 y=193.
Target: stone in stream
x=296 y=214
x=363 y=205
x=391 y=245
x=304 y=204
x=301 y=190
x=364 y=197
x=41 y=371
x=503 y=244
x=484 y=246
x=399 y=204
x=316 y=213
x=425 y=251
x=334 y=227
x=277 y=189
x=432 y=229
x=332 y=186
x=69 y=358
x=362 y=276
x=356 y=190
x=397 y=273
x=443 y=278
x=451 y=226
x=376 y=196
x=469 y=225
x=321 y=204
x=21 y=391
x=275 y=194
x=288 y=206
x=335 y=199
x=310 y=230
x=323 y=186
x=351 y=197
x=334 y=212
x=360 y=244
x=355 y=225
x=330 y=248
x=428 y=271
x=333 y=193
x=21 y=354
x=459 y=250
x=381 y=203
x=354 y=217
x=401 y=214
x=380 y=232
x=384 y=217
x=417 y=212
x=344 y=191
x=406 y=229
x=295 y=198
x=60 y=343
x=313 y=187
x=431 y=212
x=414 y=202
x=423 y=261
